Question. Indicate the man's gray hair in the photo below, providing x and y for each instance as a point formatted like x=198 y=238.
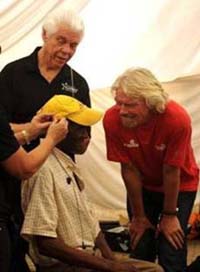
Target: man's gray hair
x=62 y=17
x=141 y=83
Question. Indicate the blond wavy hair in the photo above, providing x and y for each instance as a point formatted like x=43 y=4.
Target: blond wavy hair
x=141 y=83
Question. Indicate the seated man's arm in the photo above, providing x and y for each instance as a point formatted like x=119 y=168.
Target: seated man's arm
x=103 y=246
x=54 y=247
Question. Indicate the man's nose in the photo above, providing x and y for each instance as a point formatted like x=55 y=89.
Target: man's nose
x=86 y=139
x=66 y=48
x=123 y=109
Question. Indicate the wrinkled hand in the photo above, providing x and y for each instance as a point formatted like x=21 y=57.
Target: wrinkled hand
x=57 y=130
x=124 y=266
x=38 y=125
x=171 y=229
x=137 y=228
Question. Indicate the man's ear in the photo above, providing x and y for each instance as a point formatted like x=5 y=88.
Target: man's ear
x=44 y=35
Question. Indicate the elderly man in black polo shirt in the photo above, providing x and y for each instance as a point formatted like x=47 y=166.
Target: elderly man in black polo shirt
x=27 y=83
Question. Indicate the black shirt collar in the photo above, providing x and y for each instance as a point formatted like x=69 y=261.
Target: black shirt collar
x=33 y=64
x=33 y=61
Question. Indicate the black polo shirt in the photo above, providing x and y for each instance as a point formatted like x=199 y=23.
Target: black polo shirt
x=8 y=184
x=24 y=90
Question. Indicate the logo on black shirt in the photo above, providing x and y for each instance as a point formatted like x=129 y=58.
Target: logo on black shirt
x=66 y=87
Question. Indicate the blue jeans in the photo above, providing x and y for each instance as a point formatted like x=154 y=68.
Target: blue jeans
x=149 y=248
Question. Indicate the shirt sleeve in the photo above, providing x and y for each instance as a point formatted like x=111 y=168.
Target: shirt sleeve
x=39 y=206
x=116 y=151
x=9 y=99
x=8 y=142
x=95 y=227
x=178 y=146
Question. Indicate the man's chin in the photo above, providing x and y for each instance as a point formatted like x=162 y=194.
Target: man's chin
x=129 y=123
x=59 y=63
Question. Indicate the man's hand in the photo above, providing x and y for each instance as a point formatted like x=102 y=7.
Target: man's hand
x=102 y=245
x=171 y=229
x=58 y=130
x=123 y=266
x=38 y=125
x=137 y=228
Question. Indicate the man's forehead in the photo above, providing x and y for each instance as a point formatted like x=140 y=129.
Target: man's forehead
x=74 y=127
x=65 y=31
x=122 y=97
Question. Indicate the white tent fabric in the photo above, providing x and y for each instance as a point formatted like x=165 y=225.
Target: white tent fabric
x=161 y=35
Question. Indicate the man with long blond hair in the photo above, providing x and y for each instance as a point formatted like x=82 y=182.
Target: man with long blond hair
x=150 y=136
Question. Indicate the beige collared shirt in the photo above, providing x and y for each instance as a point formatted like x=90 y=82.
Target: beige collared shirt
x=54 y=206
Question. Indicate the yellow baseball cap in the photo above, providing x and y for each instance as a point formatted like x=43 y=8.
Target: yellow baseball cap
x=72 y=109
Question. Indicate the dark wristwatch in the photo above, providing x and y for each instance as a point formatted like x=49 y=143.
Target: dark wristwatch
x=170 y=213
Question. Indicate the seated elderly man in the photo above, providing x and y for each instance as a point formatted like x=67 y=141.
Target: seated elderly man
x=63 y=234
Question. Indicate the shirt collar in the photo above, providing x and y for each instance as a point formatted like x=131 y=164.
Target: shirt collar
x=32 y=65
x=67 y=162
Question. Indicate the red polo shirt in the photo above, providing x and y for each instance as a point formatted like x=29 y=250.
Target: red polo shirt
x=165 y=139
